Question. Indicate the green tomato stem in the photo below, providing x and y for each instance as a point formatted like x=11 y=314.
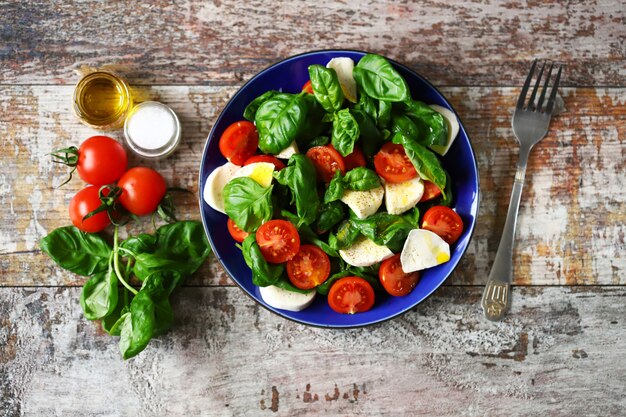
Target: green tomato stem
x=116 y=263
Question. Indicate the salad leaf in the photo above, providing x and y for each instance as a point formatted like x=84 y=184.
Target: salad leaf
x=79 y=252
x=403 y=124
x=285 y=284
x=308 y=235
x=143 y=242
x=413 y=217
x=378 y=79
x=247 y=203
x=385 y=229
x=384 y=114
x=347 y=233
x=425 y=161
x=335 y=188
x=314 y=124
x=345 y=132
x=279 y=121
x=326 y=87
x=433 y=127
x=99 y=296
x=372 y=138
x=263 y=274
x=251 y=109
x=121 y=308
x=361 y=179
x=299 y=176
x=329 y=215
x=324 y=288
x=137 y=326
x=367 y=105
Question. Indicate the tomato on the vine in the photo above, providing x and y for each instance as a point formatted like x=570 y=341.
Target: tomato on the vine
x=239 y=142
x=278 y=240
x=142 y=190
x=84 y=202
x=351 y=295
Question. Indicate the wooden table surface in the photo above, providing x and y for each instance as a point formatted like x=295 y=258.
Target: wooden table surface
x=561 y=349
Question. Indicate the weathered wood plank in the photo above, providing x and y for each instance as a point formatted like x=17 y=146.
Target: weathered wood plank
x=558 y=353
x=225 y=42
x=572 y=219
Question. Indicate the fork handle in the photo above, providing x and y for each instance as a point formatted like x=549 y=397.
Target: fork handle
x=496 y=298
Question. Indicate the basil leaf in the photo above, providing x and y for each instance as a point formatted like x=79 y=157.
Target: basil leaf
x=368 y=273
x=372 y=138
x=326 y=87
x=251 y=109
x=285 y=284
x=345 y=132
x=316 y=141
x=99 y=296
x=385 y=229
x=299 y=176
x=335 y=188
x=448 y=197
x=367 y=105
x=137 y=327
x=403 y=124
x=413 y=217
x=324 y=288
x=433 y=128
x=158 y=286
x=78 y=252
x=314 y=124
x=346 y=235
x=308 y=235
x=424 y=161
x=143 y=242
x=330 y=214
x=384 y=114
x=279 y=120
x=263 y=274
x=247 y=203
x=361 y=179
x=378 y=79
x=122 y=307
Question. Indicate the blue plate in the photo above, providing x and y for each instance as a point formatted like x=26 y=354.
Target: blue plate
x=289 y=76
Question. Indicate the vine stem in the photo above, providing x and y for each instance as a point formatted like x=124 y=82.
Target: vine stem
x=116 y=263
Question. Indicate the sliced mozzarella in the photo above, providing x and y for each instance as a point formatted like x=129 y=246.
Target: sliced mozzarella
x=288 y=151
x=453 y=128
x=365 y=253
x=261 y=172
x=403 y=196
x=423 y=249
x=286 y=300
x=214 y=186
x=364 y=203
x=343 y=67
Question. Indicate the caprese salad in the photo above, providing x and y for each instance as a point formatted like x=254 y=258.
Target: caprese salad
x=337 y=189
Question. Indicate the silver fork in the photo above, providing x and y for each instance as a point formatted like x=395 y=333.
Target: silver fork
x=531 y=120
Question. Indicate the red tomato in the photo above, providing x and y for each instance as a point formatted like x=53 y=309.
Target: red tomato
x=351 y=295
x=234 y=230
x=444 y=222
x=354 y=159
x=395 y=281
x=309 y=268
x=83 y=203
x=279 y=241
x=393 y=165
x=239 y=142
x=308 y=87
x=101 y=160
x=142 y=190
x=326 y=160
x=430 y=191
x=278 y=164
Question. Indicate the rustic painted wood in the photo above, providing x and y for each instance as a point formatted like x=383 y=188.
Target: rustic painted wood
x=560 y=353
x=572 y=220
x=224 y=42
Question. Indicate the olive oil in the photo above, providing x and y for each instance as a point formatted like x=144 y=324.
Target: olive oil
x=102 y=100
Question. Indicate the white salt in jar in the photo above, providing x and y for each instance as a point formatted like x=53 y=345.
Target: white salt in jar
x=152 y=130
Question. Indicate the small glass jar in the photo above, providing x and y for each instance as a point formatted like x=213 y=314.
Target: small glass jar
x=102 y=100
x=152 y=130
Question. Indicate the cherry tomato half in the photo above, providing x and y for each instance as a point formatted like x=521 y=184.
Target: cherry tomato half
x=278 y=240
x=326 y=160
x=351 y=295
x=444 y=222
x=84 y=202
x=354 y=159
x=395 y=281
x=308 y=87
x=101 y=160
x=278 y=164
x=309 y=268
x=142 y=190
x=393 y=165
x=234 y=230
x=239 y=142
x=430 y=191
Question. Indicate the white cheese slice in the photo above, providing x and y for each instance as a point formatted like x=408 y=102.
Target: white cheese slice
x=364 y=203
x=423 y=249
x=213 y=192
x=403 y=196
x=286 y=300
x=290 y=150
x=344 y=67
x=261 y=172
x=365 y=253
x=453 y=128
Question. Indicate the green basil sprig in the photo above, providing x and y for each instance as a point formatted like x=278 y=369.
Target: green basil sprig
x=299 y=176
x=248 y=203
x=279 y=120
x=345 y=132
x=379 y=79
x=326 y=88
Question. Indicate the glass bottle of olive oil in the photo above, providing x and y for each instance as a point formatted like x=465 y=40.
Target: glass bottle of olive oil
x=102 y=99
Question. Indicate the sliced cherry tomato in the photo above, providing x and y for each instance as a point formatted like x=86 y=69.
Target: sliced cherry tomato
x=142 y=190
x=393 y=165
x=444 y=222
x=234 y=230
x=354 y=159
x=84 y=202
x=430 y=191
x=278 y=164
x=308 y=87
x=351 y=295
x=309 y=268
x=395 y=281
x=326 y=160
x=239 y=142
x=278 y=240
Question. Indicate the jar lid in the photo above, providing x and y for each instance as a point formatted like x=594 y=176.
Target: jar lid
x=152 y=130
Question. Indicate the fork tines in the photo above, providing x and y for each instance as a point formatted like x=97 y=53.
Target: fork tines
x=533 y=104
